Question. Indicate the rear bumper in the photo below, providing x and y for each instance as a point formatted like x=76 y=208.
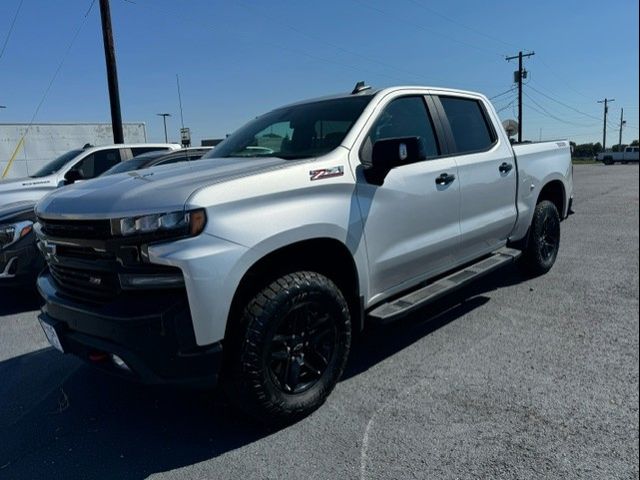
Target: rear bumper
x=151 y=332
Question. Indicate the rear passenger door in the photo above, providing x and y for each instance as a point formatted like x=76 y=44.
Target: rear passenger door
x=98 y=162
x=487 y=173
x=410 y=222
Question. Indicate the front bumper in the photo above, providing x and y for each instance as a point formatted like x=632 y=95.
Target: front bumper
x=151 y=332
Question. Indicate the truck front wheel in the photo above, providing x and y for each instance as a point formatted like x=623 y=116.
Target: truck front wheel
x=544 y=239
x=291 y=348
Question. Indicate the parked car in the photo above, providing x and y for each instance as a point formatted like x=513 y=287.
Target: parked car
x=155 y=158
x=629 y=154
x=79 y=164
x=20 y=260
x=256 y=267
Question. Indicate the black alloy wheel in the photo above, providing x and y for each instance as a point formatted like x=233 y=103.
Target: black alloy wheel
x=289 y=348
x=302 y=347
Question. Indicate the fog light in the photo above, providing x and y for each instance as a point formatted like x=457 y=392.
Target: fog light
x=118 y=362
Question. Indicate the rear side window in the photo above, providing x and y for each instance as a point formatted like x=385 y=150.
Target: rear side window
x=138 y=150
x=403 y=117
x=469 y=124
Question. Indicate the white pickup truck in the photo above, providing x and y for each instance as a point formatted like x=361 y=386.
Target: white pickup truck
x=254 y=267
x=78 y=164
x=629 y=154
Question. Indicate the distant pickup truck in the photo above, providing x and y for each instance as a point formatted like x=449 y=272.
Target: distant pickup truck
x=78 y=164
x=630 y=154
x=254 y=268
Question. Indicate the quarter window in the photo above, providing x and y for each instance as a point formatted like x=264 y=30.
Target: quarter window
x=469 y=125
x=403 y=117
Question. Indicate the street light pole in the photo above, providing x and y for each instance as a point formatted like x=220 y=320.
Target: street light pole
x=164 y=119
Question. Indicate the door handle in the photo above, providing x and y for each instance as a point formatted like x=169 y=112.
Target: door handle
x=505 y=167
x=445 y=179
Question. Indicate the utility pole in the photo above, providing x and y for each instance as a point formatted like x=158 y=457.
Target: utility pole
x=164 y=118
x=604 y=128
x=518 y=77
x=112 y=72
x=622 y=122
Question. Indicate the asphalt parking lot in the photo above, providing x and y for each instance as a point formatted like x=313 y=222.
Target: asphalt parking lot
x=512 y=378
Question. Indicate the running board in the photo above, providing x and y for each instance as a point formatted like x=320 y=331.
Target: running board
x=400 y=307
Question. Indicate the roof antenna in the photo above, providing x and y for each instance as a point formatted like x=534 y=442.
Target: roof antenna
x=360 y=87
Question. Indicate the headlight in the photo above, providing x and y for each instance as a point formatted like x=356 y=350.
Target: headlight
x=12 y=232
x=188 y=223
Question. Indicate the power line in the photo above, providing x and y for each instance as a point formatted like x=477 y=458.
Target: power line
x=172 y=15
x=59 y=67
x=455 y=22
x=562 y=103
x=503 y=93
x=317 y=39
x=563 y=80
x=13 y=22
x=551 y=115
x=506 y=106
x=422 y=27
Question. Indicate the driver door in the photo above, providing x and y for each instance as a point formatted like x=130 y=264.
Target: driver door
x=411 y=224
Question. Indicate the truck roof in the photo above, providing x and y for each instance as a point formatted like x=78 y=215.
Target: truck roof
x=383 y=91
x=97 y=148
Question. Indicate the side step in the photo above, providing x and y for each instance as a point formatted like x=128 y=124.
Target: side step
x=400 y=307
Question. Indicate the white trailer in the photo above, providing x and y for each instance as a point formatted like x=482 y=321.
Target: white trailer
x=45 y=141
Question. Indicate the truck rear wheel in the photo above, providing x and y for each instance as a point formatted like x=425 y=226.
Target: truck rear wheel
x=291 y=348
x=544 y=239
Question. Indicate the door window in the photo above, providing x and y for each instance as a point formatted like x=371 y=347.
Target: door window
x=469 y=125
x=98 y=162
x=403 y=117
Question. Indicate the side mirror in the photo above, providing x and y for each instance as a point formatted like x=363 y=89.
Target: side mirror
x=73 y=175
x=391 y=153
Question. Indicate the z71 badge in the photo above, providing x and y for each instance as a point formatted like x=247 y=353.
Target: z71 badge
x=322 y=173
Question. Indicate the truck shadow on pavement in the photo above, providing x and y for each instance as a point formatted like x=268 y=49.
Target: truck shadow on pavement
x=14 y=300
x=62 y=419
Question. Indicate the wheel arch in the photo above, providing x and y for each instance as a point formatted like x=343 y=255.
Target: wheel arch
x=554 y=191
x=325 y=255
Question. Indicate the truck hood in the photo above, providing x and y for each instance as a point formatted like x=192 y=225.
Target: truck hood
x=154 y=190
x=7 y=212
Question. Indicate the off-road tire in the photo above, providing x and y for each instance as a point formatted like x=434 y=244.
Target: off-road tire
x=250 y=378
x=544 y=239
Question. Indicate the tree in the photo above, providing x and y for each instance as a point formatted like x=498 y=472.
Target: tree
x=634 y=143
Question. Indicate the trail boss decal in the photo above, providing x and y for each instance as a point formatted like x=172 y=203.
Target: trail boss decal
x=326 y=173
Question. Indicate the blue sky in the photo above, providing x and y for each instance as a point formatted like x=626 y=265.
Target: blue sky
x=240 y=58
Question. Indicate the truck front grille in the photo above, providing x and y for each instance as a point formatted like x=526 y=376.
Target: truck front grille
x=85 y=285
x=92 y=229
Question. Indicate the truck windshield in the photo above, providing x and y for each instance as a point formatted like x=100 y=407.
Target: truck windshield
x=299 y=131
x=54 y=165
